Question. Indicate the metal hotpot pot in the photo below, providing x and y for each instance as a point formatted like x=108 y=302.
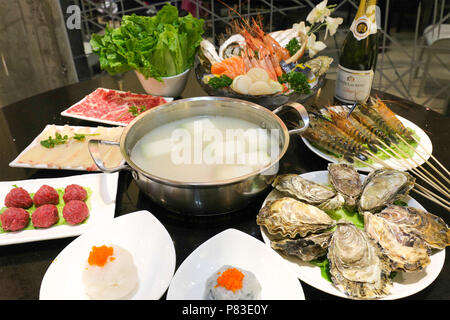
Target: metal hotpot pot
x=202 y=198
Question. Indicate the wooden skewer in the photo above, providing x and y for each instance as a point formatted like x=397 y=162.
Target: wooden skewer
x=365 y=163
x=431 y=156
x=432 y=199
x=370 y=155
x=417 y=171
x=432 y=194
x=445 y=190
x=425 y=160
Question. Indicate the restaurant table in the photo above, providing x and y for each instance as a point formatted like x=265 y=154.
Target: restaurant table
x=22 y=266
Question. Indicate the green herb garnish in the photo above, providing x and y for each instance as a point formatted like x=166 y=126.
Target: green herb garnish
x=52 y=142
x=59 y=139
x=293 y=46
x=297 y=81
x=134 y=111
x=220 y=82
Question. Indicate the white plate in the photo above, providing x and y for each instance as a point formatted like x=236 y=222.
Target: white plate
x=140 y=233
x=102 y=201
x=418 y=156
x=236 y=248
x=16 y=164
x=65 y=113
x=405 y=284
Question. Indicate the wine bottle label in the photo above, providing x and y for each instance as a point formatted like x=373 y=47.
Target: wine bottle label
x=364 y=26
x=353 y=85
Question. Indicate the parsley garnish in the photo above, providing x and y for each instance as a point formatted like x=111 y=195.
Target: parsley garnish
x=293 y=46
x=220 y=82
x=297 y=81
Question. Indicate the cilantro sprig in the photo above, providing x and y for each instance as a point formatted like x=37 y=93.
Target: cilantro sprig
x=51 y=142
x=133 y=110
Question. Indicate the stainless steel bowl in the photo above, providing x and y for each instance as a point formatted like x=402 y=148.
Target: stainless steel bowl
x=202 y=198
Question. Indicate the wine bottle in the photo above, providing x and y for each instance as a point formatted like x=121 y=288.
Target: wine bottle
x=358 y=56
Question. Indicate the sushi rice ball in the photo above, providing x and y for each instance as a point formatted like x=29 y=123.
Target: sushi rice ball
x=110 y=273
x=232 y=283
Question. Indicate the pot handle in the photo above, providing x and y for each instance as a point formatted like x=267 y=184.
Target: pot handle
x=94 y=150
x=301 y=111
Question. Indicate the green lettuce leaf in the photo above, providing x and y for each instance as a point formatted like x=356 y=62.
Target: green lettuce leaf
x=163 y=45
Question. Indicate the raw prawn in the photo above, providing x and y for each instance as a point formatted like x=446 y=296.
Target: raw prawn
x=327 y=142
x=371 y=126
x=380 y=122
x=391 y=119
x=338 y=136
x=354 y=129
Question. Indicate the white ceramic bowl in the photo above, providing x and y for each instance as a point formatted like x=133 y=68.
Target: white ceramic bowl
x=170 y=87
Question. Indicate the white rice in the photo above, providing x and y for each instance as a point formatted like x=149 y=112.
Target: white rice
x=117 y=279
x=251 y=289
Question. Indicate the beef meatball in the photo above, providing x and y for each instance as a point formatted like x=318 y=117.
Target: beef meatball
x=74 y=192
x=46 y=195
x=75 y=212
x=18 y=198
x=45 y=216
x=14 y=219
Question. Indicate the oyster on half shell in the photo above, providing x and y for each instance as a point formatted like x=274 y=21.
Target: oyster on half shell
x=430 y=228
x=357 y=266
x=382 y=187
x=405 y=250
x=311 y=192
x=309 y=248
x=290 y=218
x=346 y=181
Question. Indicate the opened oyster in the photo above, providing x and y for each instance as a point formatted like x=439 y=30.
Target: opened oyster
x=430 y=228
x=357 y=266
x=291 y=218
x=382 y=187
x=346 y=181
x=320 y=65
x=311 y=192
x=309 y=248
x=405 y=250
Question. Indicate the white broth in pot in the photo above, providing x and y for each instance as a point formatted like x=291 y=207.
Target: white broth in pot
x=205 y=149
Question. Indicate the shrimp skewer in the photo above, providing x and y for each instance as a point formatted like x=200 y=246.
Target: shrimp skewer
x=390 y=118
x=371 y=126
x=355 y=130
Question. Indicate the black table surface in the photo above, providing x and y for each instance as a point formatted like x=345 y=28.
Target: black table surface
x=22 y=266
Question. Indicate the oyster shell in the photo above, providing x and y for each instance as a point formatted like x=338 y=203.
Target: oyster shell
x=357 y=266
x=430 y=228
x=382 y=187
x=405 y=250
x=311 y=192
x=232 y=46
x=309 y=248
x=291 y=218
x=319 y=65
x=345 y=180
x=207 y=54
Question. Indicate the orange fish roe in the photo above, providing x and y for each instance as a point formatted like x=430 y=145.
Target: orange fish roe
x=231 y=279
x=99 y=255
